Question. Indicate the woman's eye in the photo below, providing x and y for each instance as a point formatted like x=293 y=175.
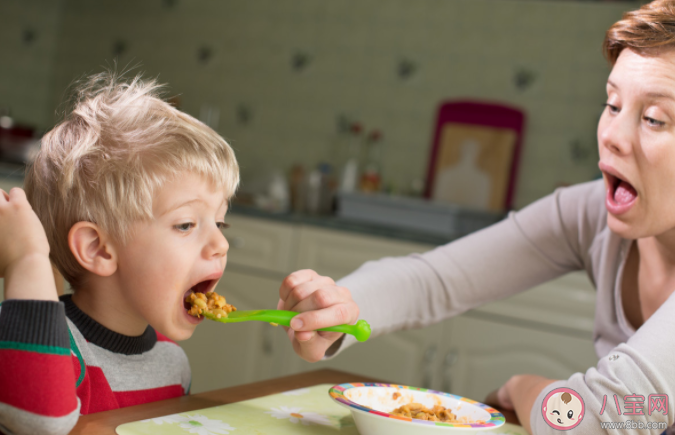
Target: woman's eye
x=570 y=414
x=612 y=109
x=184 y=227
x=653 y=122
x=223 y=225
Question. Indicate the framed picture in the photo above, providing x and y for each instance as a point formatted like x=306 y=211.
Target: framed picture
x=474 y=157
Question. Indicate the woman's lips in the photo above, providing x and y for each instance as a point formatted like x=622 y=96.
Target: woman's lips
x=621 y=196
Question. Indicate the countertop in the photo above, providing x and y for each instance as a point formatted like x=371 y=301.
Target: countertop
x=13 y=174
x=337 y=223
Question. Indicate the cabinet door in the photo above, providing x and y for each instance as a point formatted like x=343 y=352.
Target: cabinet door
x=481 y=355
x=566 y=303
x=260 y=244
x=338 y=253
x=405 y=357
x=222 y=355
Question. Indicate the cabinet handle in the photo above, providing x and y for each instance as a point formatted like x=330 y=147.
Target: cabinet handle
x=236 y=242
x=448 y=362
x=427 y=369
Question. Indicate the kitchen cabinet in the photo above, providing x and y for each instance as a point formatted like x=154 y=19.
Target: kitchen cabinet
x=338 y=253
x=546 y=330
x=479 y=354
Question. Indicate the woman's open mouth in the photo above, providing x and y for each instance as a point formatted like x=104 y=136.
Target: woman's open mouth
x=621 y=195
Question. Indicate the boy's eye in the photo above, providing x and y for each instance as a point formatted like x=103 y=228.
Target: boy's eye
x=184 y=227
x=223 y=225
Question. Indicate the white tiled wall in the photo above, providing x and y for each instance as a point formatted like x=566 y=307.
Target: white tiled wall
x=28 y=37
x=463 y=49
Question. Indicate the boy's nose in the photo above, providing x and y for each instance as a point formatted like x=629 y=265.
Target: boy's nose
x=218 y=245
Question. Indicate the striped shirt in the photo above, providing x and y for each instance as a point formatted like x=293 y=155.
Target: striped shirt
x=57 y=363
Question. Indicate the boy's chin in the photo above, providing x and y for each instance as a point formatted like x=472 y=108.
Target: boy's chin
x=177 y=334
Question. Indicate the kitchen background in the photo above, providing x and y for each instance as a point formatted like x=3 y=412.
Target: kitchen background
x=285 y=81
x=280 y=79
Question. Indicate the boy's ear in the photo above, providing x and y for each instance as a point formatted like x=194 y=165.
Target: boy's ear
x=92 y=248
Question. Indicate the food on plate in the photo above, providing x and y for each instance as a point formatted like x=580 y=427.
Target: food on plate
x=421 y=412
x=210 y=302
x=396 y=395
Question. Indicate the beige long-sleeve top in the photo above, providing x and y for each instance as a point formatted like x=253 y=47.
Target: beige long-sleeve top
x=563 y=232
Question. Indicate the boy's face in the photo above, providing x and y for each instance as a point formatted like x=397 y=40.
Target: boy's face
x=182 y=247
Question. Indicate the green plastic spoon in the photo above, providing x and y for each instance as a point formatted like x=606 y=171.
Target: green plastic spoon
x=361 y=330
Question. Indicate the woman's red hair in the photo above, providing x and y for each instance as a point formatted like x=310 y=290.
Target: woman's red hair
x=651 y=26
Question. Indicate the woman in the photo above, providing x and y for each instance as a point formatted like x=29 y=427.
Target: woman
x=620 y=230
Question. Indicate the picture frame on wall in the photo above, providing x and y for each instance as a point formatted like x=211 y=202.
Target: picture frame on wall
x=475 y=155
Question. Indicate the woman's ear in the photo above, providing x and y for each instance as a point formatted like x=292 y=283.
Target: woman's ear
x=92 y=248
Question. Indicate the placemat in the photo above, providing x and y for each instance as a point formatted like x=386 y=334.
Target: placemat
x=308 y=411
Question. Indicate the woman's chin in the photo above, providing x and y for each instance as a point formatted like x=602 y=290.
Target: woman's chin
x=622 y=227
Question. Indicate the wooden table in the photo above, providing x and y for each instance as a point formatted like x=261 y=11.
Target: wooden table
x=104 y=423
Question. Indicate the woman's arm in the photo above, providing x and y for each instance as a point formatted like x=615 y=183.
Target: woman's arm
x=543 y=241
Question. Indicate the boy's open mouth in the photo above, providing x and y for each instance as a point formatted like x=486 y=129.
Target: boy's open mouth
x=621 y=191
x=201 y=287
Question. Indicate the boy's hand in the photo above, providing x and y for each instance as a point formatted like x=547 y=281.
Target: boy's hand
x=24 y=250
x=321 y=304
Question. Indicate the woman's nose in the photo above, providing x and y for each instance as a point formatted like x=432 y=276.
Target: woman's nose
x=617 y=135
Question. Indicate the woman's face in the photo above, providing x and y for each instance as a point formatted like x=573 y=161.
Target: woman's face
x=636 y=140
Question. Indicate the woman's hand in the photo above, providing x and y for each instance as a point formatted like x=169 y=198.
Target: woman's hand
x=500 y=399
x=24 y=250
x=322 y=304
x=519 y=394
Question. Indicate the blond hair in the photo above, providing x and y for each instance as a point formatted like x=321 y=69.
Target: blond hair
x=649 y=27
x=104 y=162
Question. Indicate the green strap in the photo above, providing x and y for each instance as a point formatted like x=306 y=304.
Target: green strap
x=32 y=347
x=76 y=350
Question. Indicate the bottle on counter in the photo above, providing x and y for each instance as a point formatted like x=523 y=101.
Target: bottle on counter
x=298 y=188
x=371 y=177
x=321 y=189
x=349 y=174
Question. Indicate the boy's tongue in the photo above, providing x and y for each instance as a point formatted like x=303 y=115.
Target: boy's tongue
x=624 y=193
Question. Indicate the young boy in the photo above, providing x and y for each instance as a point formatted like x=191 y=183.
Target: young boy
x=130 y=194
x=128 y=200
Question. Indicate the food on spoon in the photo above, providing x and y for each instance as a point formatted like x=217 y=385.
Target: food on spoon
x=210 y=302
x=421 y=412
